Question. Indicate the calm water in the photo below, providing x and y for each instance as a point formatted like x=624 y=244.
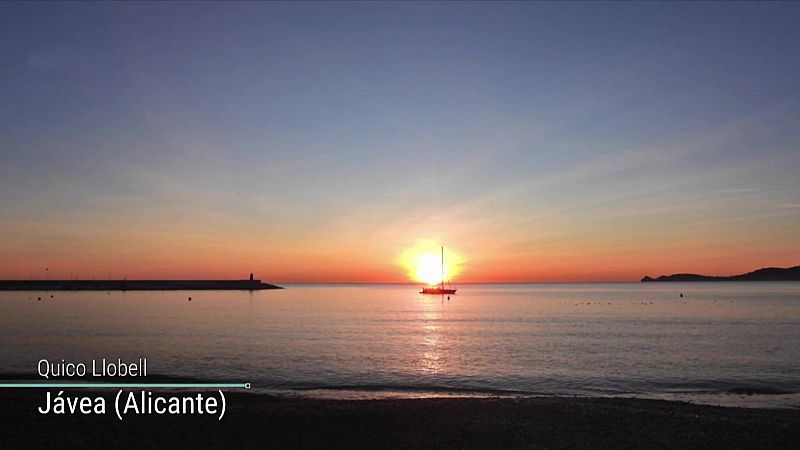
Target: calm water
x=722 y=343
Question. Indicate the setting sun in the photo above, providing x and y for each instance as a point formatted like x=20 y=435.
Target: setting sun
x=423 y=263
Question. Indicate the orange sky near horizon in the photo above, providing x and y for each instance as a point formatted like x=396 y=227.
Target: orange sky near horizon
x=489 y=254
x=333 y=270
x=604 y=229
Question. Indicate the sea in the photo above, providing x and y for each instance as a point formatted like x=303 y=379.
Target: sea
x=720 y=343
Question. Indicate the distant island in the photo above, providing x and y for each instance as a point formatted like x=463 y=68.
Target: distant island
x=765 y=274
x=136 y=285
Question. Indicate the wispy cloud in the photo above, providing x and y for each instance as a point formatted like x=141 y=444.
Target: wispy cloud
x=741 y=190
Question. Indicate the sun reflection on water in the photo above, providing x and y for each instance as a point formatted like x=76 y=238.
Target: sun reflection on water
x=431 y=353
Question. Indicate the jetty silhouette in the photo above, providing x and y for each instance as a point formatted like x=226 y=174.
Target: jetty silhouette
x=251 y=284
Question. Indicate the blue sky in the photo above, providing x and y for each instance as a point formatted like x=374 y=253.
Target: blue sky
x=519 y=133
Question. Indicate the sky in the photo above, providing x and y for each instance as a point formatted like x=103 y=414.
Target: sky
x=319 y=142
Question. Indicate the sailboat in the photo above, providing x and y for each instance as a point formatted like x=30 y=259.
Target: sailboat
x=440 y=290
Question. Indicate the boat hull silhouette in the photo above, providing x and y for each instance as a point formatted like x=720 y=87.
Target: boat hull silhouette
x=437 y=291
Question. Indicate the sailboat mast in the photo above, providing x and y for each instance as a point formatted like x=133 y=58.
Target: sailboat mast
x=442 y=267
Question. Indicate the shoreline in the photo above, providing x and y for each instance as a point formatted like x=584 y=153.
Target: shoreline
x=266 y=421
x=753 y=397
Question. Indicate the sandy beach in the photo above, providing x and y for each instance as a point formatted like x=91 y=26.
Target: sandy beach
x=262 y=421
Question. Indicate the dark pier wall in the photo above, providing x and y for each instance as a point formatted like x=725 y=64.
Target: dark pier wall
x=133 y=285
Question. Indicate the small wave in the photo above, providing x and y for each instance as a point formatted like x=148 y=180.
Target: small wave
x=757 y=390
x=417 y=389
x=724 y=386
x=569 y=388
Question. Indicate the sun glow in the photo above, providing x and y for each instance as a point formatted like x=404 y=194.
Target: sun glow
x=423 y=263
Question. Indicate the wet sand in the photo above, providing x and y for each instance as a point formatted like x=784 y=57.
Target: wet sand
x=261 y=421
